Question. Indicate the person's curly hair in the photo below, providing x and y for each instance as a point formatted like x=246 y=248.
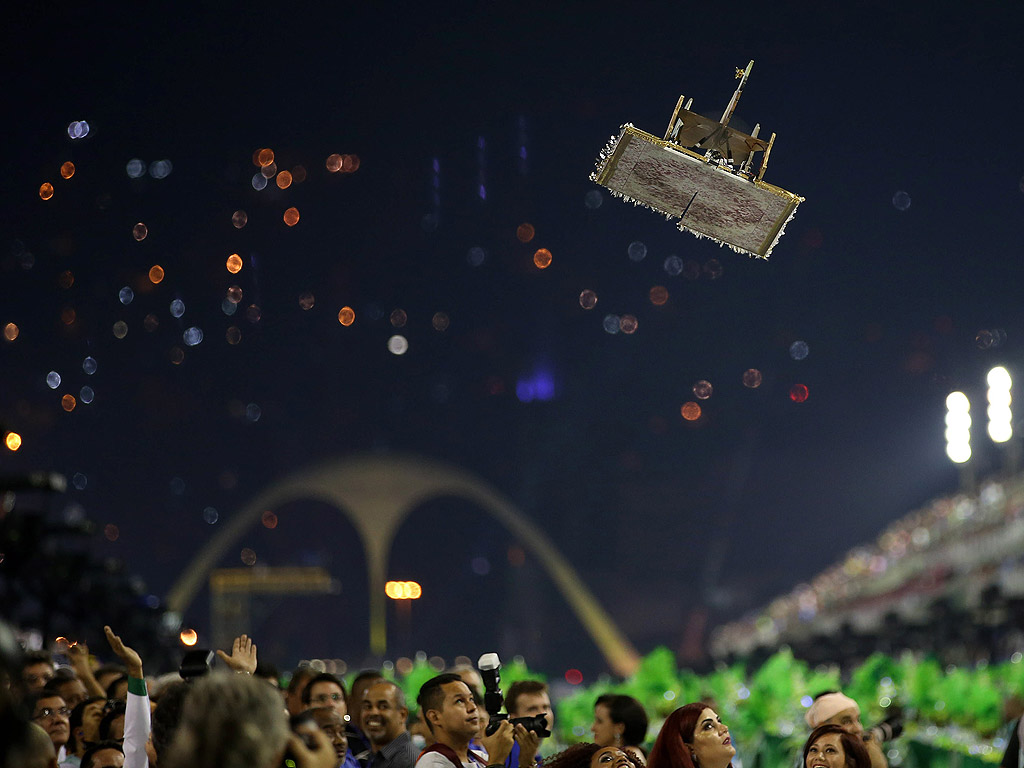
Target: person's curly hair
x=579 y=756
x=229 y=721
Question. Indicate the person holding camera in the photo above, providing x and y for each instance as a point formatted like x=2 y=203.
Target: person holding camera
x=450 y=711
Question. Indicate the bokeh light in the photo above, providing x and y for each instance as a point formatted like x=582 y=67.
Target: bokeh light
x=253 y=412
x=111 y=532
x=333 y=163
x=234 y=264
x=299 y=174
x=268 y=171
x=253 y=313
x=12 y=440
x=798 y=393
x=690 y=411
x=176 y=355
x=611 y=324
x=161 y=169
x=284 y=180
x=525 y=232
x=68 y=316
x=139 y=231
x=66 y=279
x=78 y=129
x=593 y=199
x=628 y=324
x=87 y=395
x=67 y=170
x=588 y=299
x=399 y=318
x=11 y=331
x=239 y=219
x=542 y=258
x=120 y=329
x=135 y=168
x=398 y=345
x=53 y=379
x=573 y=676
x=177 y=308
x=46 y=190
x=306 y=300
x=126 y=295
x=752 y=378
x=151 y=322
x=658 y=295
x=192 y=336
x=901 y=200
x=156 y=274
x=291 y=216
x=269 y=519
x=440 y=321
x=673 y=265
x=346 y=316
x=89 y=365
x=691 y=270
x=211 y=515
x=702 y=389
x=713 y=268
x=68 y=403
x=799 y=350
x=234 y=294
x=476 y=256
x=259 y=181
x=248 y=556
x=636 y=251
x=233 y=335
x=264 y=157
x=189 y=637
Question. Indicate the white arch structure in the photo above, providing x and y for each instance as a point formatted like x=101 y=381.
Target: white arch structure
x=377 y=493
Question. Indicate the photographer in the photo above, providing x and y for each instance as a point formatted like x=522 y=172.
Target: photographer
x=450 y=711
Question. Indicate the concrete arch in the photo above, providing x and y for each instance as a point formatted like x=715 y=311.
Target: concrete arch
x=377 y=493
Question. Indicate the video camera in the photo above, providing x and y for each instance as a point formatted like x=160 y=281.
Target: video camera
x=490 y=670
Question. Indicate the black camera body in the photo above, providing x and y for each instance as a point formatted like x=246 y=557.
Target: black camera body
x=490 y=670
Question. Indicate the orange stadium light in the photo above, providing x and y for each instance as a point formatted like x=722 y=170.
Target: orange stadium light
x=403 y=590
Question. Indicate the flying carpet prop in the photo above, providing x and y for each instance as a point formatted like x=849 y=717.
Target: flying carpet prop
x=701 y=174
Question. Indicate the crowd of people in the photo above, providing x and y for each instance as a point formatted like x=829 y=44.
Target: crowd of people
x=84 y=715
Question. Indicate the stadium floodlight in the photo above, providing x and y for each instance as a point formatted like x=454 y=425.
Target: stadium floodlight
x=958 y=427
x=1000 y=418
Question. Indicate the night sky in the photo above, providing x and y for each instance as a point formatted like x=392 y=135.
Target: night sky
x=896 y=122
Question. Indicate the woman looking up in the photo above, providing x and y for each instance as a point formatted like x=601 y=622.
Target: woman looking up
x=831 y=746
x=620 y=721
x=693 y=736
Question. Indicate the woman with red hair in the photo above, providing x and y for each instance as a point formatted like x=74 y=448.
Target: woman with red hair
x=693 y=736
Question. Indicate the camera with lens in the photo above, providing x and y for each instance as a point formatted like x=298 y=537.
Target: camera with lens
x=494 y=700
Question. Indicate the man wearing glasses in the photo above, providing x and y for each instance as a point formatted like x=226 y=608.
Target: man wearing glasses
x=51 y=714
x=326 y=690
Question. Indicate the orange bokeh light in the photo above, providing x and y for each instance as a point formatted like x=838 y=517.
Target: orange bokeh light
x=68 y=316
x=299 y=174
x=690 y=411
x=46 y=190
x=68 y=403
x=11 y=331
x=264 y=157
x=269 y=520
x=291 y=217
x=66 y=279
x=346 y=316
x=350 y=163
x=156 y=274
x=284 y=179
x=658 y=295
x=403 y=590
x=542 y=258
x=525 y=232
x=189 y=637
x=333 y=163
x=12 y=440
x=234 y=263
x=67 y=170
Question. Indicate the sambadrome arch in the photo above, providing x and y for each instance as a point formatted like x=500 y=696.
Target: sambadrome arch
x=377 y=493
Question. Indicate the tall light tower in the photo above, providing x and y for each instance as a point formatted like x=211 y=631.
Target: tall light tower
x=1000 y=416
x=958 y=437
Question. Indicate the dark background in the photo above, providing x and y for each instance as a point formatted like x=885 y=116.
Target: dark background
x=675 y=526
